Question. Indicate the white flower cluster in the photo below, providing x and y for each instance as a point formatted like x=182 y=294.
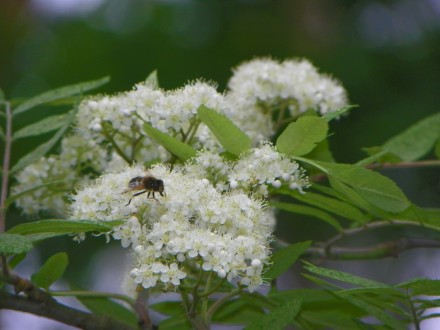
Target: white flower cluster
x=255 y=171
x=193 y=226
x=47 y=181
x=115 y=118
x=262 y=167
x=173 y=112
x=266 y=84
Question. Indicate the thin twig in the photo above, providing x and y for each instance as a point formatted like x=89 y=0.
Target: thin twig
x=52 y=309
x=366 y=227
x=6 y=164
x=141 y=310
x=39 y=302
x=420 y=163
x=383 y=250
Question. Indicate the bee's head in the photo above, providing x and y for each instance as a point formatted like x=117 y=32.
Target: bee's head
x=159 y=186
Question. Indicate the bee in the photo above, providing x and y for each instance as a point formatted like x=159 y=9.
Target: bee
x=146 y=183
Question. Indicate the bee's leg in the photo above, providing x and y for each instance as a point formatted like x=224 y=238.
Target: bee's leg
x=152 y=195
x=137 y=194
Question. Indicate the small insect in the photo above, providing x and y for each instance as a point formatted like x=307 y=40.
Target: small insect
x=146 y=183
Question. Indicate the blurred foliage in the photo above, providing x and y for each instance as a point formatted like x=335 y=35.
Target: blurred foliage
x=386 y=53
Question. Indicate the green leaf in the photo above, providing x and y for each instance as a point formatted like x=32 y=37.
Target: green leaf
x=229 y=135
x=422 y=286
x=46 y=125
x=105 y=306
x=284 y=258
x=329 y=204
x=239 y=311
x=310 y=211
x=321 y=152
x=326 y=190
x=417 y=140
x=63 y=227
x=437 y=149
x=372 y=310
x=178 y=322
x=16 y=259
x=430 y=217
x=301 y=137
x=51 y=271
x=377 y=154
x=319 y=298
x=336 y=114
x=331 y=319
x=11 y=244
x=351 y=196
x=372 y=186
x=60 y=93
x=174 y=308
x=344 y=277
x=385 y=293
x=152 y=81
x=322 y=283
x=179 y=149
x=281 y=317
x=44 y=148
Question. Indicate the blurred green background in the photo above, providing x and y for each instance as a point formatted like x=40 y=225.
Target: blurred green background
x=386 y=54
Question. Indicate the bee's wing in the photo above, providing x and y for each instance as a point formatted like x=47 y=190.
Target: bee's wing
x=135 y=183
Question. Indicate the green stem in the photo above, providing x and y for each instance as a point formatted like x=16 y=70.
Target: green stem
x=215 y=306
x=281 y=114
x=414 y=314
x=114 y=144
x=206 y=294
x=191 y=131
x=192 y=313
x=185 y=300
x=204 y=297
x=134 y=143
x=6 y=164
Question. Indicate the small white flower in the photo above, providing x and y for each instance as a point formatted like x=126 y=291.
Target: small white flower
x=276 y=183
x=233 y=184
x=256 y=263
x=221 y=273
x=96 y=127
